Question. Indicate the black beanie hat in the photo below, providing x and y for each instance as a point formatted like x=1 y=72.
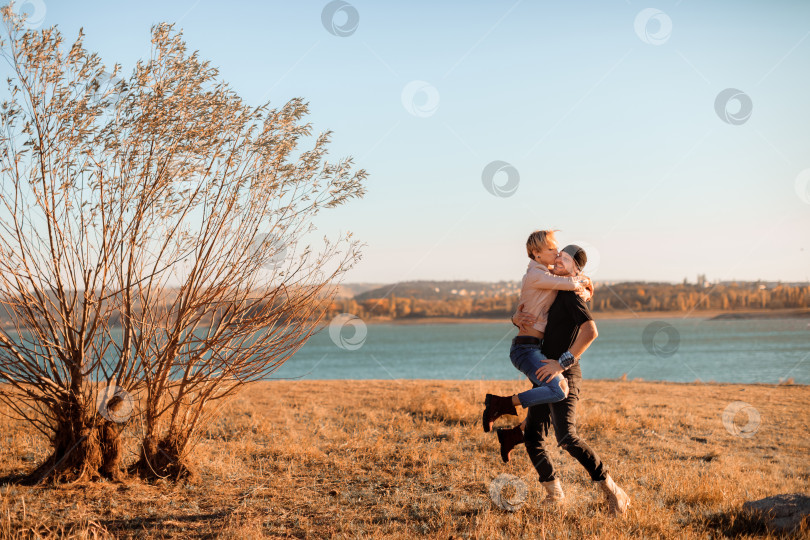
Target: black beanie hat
x=578 y=254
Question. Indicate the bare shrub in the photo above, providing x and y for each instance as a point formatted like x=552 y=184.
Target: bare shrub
x=156 y=236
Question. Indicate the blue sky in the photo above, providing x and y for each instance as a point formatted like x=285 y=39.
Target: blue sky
x=617 y=141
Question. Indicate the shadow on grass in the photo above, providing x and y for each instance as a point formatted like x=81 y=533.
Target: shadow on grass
x=22 y=477
x=438 y=418
x=138 y=523
x=738 y=523
x=19 y=479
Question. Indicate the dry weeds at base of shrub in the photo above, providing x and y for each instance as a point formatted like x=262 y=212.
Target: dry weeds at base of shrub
x=377 y=459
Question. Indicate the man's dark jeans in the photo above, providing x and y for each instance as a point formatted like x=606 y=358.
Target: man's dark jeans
x=563 y=415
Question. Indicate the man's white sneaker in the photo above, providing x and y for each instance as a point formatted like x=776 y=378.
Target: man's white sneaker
x=617 y=498
x=554 y=491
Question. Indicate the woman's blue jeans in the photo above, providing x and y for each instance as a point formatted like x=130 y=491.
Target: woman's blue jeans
x=528 y=359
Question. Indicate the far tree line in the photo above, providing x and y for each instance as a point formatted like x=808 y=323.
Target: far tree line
x=630 y=296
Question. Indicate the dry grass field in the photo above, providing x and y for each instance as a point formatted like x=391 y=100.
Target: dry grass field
x=396 y=459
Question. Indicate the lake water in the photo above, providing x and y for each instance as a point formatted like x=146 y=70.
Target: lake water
x=671 y=349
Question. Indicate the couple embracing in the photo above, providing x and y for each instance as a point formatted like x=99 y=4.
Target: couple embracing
x=555 y=328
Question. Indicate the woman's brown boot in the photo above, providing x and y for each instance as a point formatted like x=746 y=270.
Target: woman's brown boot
x=495 y=407
x=509 y=438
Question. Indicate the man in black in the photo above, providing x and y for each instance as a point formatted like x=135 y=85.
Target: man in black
x=569 y=332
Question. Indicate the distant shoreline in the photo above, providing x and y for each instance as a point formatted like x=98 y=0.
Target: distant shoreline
x=709 y=314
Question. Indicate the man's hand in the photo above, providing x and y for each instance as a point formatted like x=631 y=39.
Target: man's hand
x=523 y=318
x=550 y=369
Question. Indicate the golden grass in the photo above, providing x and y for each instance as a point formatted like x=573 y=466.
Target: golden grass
x=314 y=459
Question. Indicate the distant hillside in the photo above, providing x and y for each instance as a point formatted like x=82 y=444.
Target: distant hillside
x=439 y=290
x=350 y=290
x=470 y=299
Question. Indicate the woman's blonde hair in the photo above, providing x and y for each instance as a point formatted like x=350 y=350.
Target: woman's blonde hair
x=539 y=240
